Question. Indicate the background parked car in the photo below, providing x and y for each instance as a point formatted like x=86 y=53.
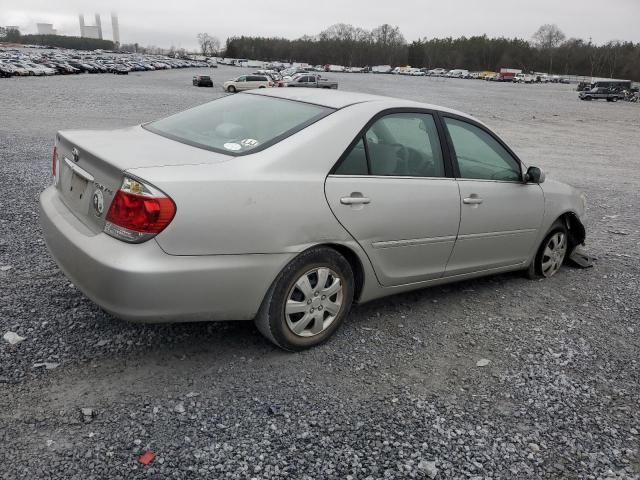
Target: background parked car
x=602 y=93
x=6 y=71
x=202 y=81
x=523 y=78
x=309 y=80
x=247 y=82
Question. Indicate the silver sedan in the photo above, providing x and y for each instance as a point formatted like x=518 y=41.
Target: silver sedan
x=286 y=206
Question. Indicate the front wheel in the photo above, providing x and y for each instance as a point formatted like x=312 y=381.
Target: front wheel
x=551 y=254
x=308 y=301
x=231 y=89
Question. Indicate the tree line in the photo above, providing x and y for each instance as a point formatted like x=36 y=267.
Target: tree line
x=340 y=44
x=547 y=51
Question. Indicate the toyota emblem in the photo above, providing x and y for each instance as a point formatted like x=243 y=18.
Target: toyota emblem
x=98 y=202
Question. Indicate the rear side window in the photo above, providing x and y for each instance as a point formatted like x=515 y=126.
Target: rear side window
x=355 y=163
x=479 y=155
x=239 y=124
x=399 y=144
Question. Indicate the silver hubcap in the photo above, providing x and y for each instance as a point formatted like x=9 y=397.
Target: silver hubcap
x=553 y=254
x=313 y=302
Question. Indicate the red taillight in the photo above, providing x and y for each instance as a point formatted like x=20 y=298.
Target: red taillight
x=138 y=212
x=141 y=214
x=54 y=160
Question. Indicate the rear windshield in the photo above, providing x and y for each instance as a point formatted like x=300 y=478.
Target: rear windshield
x=239 y=124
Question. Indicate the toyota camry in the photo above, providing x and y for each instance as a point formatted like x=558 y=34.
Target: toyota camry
x=286 y=206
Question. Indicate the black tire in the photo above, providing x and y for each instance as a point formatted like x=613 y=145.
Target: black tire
x=588 y=99
x=614 y=99
x=535 y=270
x=231 y=89
x=272 y=321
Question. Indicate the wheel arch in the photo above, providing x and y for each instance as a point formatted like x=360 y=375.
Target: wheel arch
x=354 y=261
x=577 y=232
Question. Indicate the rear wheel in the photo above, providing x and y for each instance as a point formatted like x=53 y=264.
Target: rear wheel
x=552 y=252
x=308 y=301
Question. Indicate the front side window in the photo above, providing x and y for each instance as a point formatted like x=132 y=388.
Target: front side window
x=238 y=124
x=241 y=79
x=398 y=144
x=479 y=155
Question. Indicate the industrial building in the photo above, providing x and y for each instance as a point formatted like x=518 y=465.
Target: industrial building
x=46 y=29
x=95 y=31
x=90 y=31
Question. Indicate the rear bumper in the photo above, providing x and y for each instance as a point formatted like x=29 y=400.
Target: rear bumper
x=143 y=283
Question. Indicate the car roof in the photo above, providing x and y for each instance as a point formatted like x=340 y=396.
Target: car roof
x=341 y=99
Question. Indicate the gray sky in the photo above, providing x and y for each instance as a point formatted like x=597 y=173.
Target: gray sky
x=150 y=22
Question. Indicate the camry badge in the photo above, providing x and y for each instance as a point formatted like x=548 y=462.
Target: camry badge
x=98 y=202
x=76 y=154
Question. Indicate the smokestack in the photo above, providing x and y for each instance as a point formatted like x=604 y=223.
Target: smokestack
x=116 y=28
x=81 y=18
x=99 y=25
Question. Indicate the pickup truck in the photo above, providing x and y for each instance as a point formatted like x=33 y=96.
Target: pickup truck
x=609 y=94
x=523 y=78
x=309 y=81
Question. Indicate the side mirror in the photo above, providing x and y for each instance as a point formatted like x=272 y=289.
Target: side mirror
x=534 y=175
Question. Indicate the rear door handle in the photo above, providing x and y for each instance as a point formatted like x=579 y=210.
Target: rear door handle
x=355 y=200
x=472 y=201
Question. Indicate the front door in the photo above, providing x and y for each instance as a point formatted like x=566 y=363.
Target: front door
x=391 y=193
x=500 y=215
x=241 y=84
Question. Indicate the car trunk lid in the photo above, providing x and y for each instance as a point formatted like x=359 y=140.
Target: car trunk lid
x=91 y=165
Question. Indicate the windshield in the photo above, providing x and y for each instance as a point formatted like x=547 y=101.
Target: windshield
x=239 y=124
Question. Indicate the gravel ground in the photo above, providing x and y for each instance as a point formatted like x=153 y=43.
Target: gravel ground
x=397 y=393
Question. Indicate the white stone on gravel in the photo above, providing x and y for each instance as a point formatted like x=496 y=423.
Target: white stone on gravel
x=13 y=338
x=429 y=468
x=47 y=365
x=483 y=362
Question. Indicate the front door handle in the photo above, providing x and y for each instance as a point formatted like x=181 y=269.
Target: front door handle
x=355 y=200
x=472 y=200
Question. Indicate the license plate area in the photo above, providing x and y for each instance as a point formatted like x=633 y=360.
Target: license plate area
x=75 y=187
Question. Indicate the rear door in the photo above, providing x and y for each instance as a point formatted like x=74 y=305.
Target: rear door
x=255 y=81
x=392 y=191
x=304 y=81
x=500 y=215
